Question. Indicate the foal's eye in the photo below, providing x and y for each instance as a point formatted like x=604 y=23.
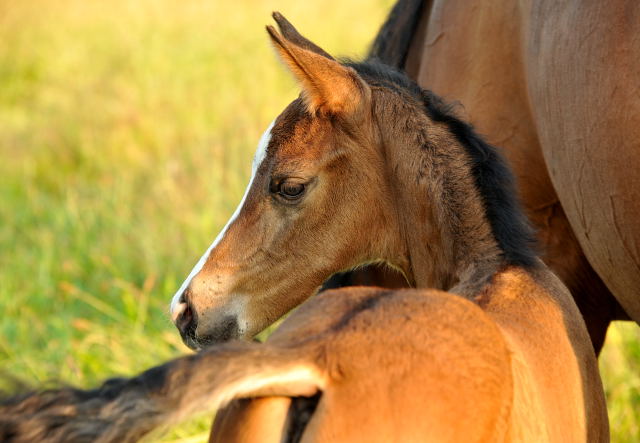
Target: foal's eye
x=290 y=190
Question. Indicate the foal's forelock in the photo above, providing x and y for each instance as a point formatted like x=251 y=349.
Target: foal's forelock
x=178 y=304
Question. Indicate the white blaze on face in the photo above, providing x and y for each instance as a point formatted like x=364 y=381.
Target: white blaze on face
x=176 y=306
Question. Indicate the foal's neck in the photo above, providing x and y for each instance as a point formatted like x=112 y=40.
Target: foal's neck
x=447 y=239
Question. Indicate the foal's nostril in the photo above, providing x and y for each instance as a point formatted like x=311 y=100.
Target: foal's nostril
x=185 y=318
x=186 y=322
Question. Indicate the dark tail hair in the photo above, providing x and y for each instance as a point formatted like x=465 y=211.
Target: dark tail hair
x=125 y=409
x=391 y=45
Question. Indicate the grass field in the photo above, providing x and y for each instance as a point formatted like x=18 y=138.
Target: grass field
x=126 y=133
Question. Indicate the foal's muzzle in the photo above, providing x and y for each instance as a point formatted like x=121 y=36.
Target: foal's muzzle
x=185 y=318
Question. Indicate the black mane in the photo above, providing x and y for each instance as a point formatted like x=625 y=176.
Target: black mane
x=493 y=177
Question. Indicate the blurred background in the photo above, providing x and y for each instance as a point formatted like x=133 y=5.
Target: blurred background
x=127 y=130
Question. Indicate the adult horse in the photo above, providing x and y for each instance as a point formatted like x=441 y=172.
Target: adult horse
x=556 y=84
x=496 y=352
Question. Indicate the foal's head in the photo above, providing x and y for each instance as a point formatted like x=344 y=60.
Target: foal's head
x=315 y=205
x=320 y=199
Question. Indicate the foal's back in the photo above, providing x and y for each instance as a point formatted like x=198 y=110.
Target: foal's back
x=407 y=365
x=427 y=365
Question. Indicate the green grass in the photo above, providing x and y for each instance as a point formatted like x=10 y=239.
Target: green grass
x=620 y=370
x=126 y=133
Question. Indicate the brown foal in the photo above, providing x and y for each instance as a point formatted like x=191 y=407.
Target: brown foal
x=365 y=167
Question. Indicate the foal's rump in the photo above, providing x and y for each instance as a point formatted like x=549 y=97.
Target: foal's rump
x=409 y=365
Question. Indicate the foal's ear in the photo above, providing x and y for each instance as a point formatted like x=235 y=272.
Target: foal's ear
x=327 y=86
x=291 y=33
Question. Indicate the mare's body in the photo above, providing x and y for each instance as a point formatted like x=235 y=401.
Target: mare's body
x=555 y=84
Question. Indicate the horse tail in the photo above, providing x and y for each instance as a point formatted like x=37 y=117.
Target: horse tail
x=125 y=409
x=392 y=42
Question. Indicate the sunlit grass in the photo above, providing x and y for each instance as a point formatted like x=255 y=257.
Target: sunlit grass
x=126 y=133
x=620 y=370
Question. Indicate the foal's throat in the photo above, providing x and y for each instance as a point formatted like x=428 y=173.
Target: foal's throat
x=447 y=239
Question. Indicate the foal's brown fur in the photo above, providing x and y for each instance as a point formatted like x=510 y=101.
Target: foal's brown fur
x=411 y=177
x=409 y=365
